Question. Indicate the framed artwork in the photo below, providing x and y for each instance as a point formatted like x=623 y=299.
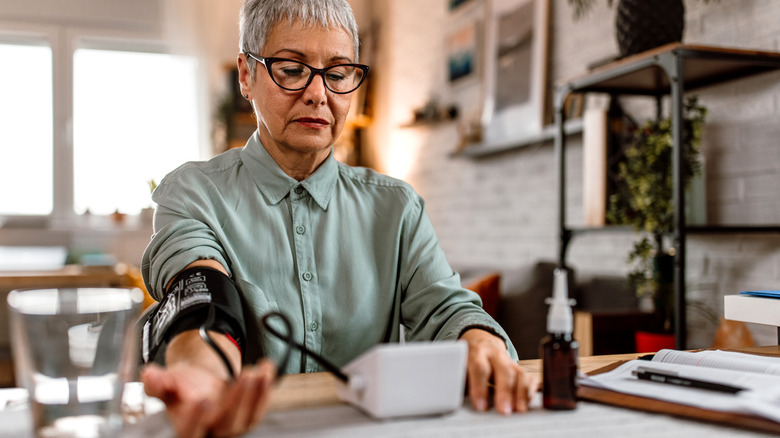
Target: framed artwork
x=516 y=46
x=455 y=4
x=464 y=42
x=462 y=53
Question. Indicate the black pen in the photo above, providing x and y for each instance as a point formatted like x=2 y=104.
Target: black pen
x=672 y=378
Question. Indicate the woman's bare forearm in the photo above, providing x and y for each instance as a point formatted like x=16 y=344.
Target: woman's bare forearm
x=189 y=347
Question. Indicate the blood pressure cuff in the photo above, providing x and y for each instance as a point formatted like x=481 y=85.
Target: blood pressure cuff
x=186 y=306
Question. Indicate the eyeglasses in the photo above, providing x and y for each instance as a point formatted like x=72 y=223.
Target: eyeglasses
x=295 y=75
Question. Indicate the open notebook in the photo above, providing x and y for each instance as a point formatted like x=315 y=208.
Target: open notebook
x=756 y=405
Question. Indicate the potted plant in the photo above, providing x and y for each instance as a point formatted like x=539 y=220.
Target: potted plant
x=641 y=24
x=147 y=213
x=644 y=200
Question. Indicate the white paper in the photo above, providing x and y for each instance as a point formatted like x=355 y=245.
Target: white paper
x=721 y=359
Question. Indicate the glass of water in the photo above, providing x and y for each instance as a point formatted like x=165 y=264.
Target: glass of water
x=74 y=350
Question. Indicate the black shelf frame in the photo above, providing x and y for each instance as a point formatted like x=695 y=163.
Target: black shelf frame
x=671 y=70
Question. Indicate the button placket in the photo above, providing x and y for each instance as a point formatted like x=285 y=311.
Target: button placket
x=307 y=268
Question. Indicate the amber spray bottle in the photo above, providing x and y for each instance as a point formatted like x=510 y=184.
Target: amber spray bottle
x=559 y=349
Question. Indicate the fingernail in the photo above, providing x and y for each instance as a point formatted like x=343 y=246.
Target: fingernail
x=506 y=408
x=481 y=405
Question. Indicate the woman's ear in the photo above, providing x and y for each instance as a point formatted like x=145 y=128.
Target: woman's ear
x=244 y=76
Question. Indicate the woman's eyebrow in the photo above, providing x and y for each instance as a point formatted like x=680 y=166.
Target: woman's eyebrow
x=292 y=51
x=303 y=56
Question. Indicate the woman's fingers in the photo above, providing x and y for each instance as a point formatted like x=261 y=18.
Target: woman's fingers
x=190 y=419
x=268 y=373
x=157 y=382
x=245 y=403
x=488 y=361
x=478 y=373
x=505 y=378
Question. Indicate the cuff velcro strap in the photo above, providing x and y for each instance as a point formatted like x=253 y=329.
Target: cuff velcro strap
x=185 y=307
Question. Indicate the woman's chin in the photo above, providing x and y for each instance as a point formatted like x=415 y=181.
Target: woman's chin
x=299 y=142
x=310 y=141
x=308 y=145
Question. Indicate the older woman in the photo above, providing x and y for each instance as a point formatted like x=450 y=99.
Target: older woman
x=348 y=255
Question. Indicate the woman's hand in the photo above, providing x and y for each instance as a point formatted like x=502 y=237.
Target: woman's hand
x=201 y=404
x=488 y=359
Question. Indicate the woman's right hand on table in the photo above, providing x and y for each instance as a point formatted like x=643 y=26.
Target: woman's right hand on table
x=201 y=404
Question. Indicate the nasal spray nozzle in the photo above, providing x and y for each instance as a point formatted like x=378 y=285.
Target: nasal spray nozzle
x=559 y=349
x=559 y=317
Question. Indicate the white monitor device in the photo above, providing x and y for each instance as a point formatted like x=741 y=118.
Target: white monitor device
x=400 y=380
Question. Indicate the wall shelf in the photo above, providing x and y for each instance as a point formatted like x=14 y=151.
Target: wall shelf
x=733 y=229
x=478 y=150
x=673 y=70
x=427 y=123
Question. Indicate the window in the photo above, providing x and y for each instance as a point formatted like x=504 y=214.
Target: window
x=134 y=120
x=26 y=171
x=134 y=112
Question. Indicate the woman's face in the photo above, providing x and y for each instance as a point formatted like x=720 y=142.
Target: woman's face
x=307 y=121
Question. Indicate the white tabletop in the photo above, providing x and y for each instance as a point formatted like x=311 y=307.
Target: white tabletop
x=588 y=420
x=16 y=420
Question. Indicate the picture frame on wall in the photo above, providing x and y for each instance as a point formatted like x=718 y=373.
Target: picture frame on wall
x=462 y=53
x=464 y=43
x=455 y=4
x=515 y=77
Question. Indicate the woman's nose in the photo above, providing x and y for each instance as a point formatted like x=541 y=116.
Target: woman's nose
x=316 y=92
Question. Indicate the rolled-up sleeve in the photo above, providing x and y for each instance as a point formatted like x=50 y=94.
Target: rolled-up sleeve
x=183 y=230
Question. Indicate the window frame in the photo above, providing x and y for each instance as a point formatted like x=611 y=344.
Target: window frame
x=38 y=35
x=64 y=40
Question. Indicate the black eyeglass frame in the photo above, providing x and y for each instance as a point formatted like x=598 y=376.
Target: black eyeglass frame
x=268 y=62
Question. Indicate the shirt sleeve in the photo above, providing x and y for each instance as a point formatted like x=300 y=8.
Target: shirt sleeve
x=435 y=305
x=182 y=229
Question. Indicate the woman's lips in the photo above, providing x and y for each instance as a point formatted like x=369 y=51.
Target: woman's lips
x=313 y=123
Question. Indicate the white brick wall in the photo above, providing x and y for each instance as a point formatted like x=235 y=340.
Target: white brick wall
x=501 y=210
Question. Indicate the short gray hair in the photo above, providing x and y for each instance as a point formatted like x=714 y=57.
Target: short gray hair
x=258 y=18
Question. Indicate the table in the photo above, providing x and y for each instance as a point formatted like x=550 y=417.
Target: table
x=306 y=405
x=319 y=389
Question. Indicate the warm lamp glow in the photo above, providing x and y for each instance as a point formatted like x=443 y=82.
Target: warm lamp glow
x=402 y=153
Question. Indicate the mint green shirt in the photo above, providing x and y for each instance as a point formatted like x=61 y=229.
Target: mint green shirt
x=346 y=254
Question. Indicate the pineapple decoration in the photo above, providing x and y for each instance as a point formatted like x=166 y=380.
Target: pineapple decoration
x=642 y=25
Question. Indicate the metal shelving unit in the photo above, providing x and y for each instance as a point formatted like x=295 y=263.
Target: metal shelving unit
x=671 y=70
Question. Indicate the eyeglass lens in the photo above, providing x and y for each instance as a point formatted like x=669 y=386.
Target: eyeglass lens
x=295 y=75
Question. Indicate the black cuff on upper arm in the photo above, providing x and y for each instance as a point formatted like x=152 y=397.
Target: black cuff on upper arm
x=185 y=307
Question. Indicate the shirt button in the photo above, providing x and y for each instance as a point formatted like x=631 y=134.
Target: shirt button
x=307 y=276
x=299 y=190
x=300 y=229
x=313 y=326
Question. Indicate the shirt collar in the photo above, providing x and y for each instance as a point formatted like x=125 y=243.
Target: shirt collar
x=276 y=185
